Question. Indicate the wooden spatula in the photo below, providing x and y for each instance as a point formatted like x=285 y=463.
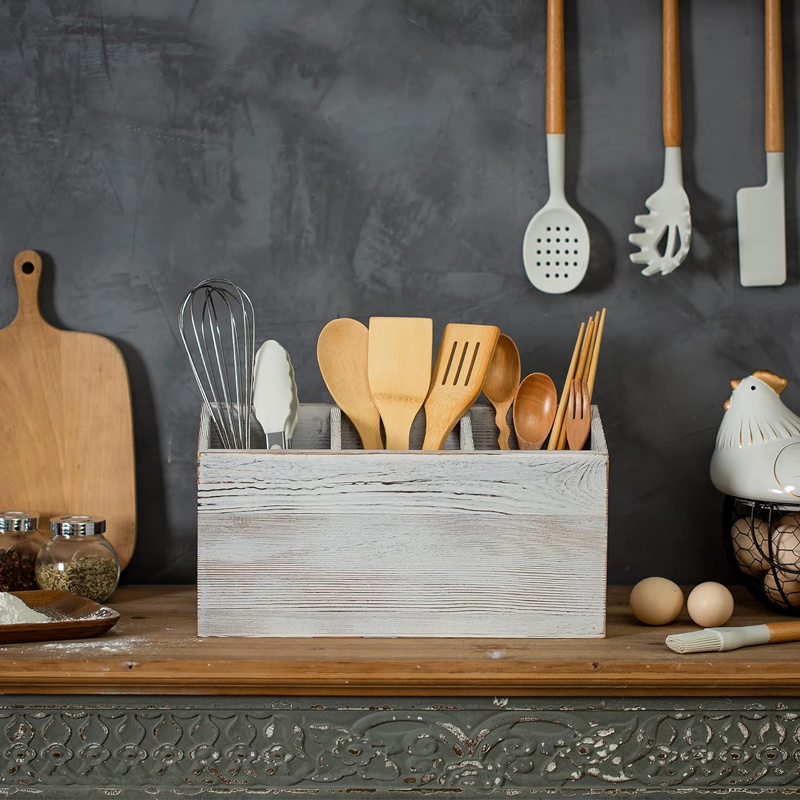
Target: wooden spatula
x=464 y=355
x=400 y=351
x=65 y=419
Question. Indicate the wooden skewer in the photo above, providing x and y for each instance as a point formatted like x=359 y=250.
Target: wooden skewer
x=582 y=361
x=596 y=352
x=562 y=404
x=590 y=350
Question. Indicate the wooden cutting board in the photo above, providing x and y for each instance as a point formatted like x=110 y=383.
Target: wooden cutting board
x=66 y=424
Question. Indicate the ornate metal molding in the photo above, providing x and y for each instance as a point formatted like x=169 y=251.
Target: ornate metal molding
x=174 y=747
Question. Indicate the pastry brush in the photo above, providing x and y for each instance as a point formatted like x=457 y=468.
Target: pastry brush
x=711 y=640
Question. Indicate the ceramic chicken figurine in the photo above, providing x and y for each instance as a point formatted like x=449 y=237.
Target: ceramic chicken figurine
x=757 y=456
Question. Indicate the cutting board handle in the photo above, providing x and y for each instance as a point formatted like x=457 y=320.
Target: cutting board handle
x=28 y=274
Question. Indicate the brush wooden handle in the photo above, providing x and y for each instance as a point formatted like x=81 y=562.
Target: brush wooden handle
x=556 y=112
x=671 y=55
x=784 y=632
x=28 y=274
x=774 y=77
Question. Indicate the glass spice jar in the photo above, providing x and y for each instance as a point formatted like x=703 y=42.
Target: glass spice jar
x=79 y=559
x=20 y=543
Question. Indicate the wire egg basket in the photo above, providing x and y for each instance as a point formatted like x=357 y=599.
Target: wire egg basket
x=763 y=542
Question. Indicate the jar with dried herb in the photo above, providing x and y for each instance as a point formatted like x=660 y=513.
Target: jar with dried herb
x=20 y=543
x=79 y=558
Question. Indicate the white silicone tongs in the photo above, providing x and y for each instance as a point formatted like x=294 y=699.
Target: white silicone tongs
x=275 y=395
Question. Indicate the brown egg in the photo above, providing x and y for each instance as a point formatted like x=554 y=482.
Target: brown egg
x=786 y=544
x=749 y=544
x=656 y=601
x=790 y=585
x=710 y=604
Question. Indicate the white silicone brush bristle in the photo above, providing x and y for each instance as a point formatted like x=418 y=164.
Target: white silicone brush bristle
x=705 y=641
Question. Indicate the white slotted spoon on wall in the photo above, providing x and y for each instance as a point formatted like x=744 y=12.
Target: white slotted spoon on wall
x=667 y=230
x=555 y=250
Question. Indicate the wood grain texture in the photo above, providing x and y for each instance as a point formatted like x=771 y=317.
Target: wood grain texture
x=774 y=123
x=65 y=419
x=400 y=353
x=154 y=649
x=463 y=357
x=343 y=358
x=556 y=104
x=452 y=543
x=671 y=88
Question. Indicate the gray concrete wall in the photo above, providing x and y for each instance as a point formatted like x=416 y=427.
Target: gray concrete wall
x=359 y=158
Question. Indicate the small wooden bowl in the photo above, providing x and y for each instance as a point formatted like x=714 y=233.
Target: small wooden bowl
x=73 y=617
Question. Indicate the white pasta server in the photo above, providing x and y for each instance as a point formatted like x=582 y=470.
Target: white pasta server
x=275 y=395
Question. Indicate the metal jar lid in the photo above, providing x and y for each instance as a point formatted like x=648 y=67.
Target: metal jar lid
x=77 y=525
x=18 y=521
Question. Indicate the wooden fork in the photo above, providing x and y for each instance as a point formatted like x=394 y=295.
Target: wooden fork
x=579 y=414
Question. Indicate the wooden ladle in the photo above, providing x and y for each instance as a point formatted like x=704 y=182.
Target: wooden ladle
x=501 y=384
x=534 y=410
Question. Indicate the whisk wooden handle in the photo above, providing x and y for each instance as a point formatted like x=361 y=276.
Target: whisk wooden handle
x=671 y=75
x=556 y=113
x=784 y=631
x=774 y=77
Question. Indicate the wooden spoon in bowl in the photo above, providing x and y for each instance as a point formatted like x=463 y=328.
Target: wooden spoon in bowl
x=501 y=384
x=534 y=410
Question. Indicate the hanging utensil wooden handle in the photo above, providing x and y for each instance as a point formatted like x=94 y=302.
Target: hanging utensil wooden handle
x=671 y=75
x=556 y=113
x=28 y=274
x=774 y=77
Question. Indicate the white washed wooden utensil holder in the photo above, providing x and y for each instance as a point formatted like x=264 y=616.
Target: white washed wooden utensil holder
x=329 y=540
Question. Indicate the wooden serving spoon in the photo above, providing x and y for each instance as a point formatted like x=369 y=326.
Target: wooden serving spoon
x=534 y=410
x=342 y=350
x=501 y=384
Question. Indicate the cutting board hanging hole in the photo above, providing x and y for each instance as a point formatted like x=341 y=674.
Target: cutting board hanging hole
x=28 y=274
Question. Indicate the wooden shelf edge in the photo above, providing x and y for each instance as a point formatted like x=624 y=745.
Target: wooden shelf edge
x=400 y=679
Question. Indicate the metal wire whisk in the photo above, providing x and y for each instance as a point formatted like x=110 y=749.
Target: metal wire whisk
x=217 y=327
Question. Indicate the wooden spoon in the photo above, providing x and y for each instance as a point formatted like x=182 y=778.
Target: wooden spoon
x=534 y=410
x=501 y=384
x=342 y=353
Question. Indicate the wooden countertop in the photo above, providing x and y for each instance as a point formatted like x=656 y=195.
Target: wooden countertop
x=154 y=650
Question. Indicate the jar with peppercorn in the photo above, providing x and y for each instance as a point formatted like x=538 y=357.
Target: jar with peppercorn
x=20 y=543
x=79 y=559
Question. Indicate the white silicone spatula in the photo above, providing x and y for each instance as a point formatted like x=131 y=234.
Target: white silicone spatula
x=275 y=395
x=555 y=250
x=761 y=209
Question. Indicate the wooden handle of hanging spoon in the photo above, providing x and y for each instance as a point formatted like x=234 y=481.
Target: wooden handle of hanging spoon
x=556 y=112
x=774 y=77
x=784 y=631
x=671 y=54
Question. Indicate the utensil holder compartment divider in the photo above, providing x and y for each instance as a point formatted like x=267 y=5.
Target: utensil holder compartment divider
x=329 y=540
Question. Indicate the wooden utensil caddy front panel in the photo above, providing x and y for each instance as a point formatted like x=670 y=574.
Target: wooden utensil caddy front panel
x=469 y=541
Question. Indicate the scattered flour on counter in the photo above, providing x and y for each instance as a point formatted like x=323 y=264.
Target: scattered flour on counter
x=14 y=612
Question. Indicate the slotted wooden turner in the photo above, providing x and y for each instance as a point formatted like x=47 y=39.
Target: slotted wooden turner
x=65 y=419
x=462 y=360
